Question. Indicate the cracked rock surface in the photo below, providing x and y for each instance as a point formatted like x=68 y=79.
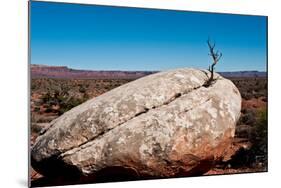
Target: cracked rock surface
x=162 y=125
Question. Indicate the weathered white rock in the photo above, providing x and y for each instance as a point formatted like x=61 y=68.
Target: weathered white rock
x=166 y=124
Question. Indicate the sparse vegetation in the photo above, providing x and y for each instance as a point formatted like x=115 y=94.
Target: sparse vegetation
x=259 y=138
x=52 y=97
x=251 y=87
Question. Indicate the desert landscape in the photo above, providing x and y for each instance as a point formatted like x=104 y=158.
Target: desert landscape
x=150 y=94
x=56 y=90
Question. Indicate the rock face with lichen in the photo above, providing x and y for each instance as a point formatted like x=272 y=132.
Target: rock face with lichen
x=163 y=125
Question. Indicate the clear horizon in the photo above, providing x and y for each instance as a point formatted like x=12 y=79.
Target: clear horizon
x=133 y=39
x=135 y=70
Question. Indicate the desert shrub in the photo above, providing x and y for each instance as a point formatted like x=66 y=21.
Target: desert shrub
x=248 y=117
x=36 y=109
x=82 y=89
x=71 y=102
x=256 y=155
x=264 y=99
x=33 y=86
x=35 y=128
x=246 y=95
x=46 y=97
x=33 y=118
x=63 y=98
x=259 y=137
x=49 y=109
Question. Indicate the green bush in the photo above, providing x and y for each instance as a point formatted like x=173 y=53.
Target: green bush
x=82 y=89
x=71 y=102
x=35 y=128
x=256 y=155
x=259 y=137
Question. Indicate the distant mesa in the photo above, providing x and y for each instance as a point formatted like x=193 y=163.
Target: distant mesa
x=44 y=71
x=244 y=74
x=63 y=72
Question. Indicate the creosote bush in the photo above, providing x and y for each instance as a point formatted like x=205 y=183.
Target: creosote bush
x=259 y=137
x=256 y=155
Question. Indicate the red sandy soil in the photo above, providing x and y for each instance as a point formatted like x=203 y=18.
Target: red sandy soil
x=260 y=102
x=218 y=171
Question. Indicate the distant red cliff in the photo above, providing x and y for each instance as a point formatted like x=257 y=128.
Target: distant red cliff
x=63 y=72
x=44 y=71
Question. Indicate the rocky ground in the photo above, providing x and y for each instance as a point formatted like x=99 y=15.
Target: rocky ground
x=50 y=98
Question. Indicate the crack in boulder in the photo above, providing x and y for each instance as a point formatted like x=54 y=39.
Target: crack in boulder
x=145 y=110
x=88 y=143
x=81 y=146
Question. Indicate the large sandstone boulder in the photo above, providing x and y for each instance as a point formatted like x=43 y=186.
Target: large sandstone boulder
x=162 y=125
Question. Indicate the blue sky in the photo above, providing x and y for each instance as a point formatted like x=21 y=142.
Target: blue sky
x=119 y=38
